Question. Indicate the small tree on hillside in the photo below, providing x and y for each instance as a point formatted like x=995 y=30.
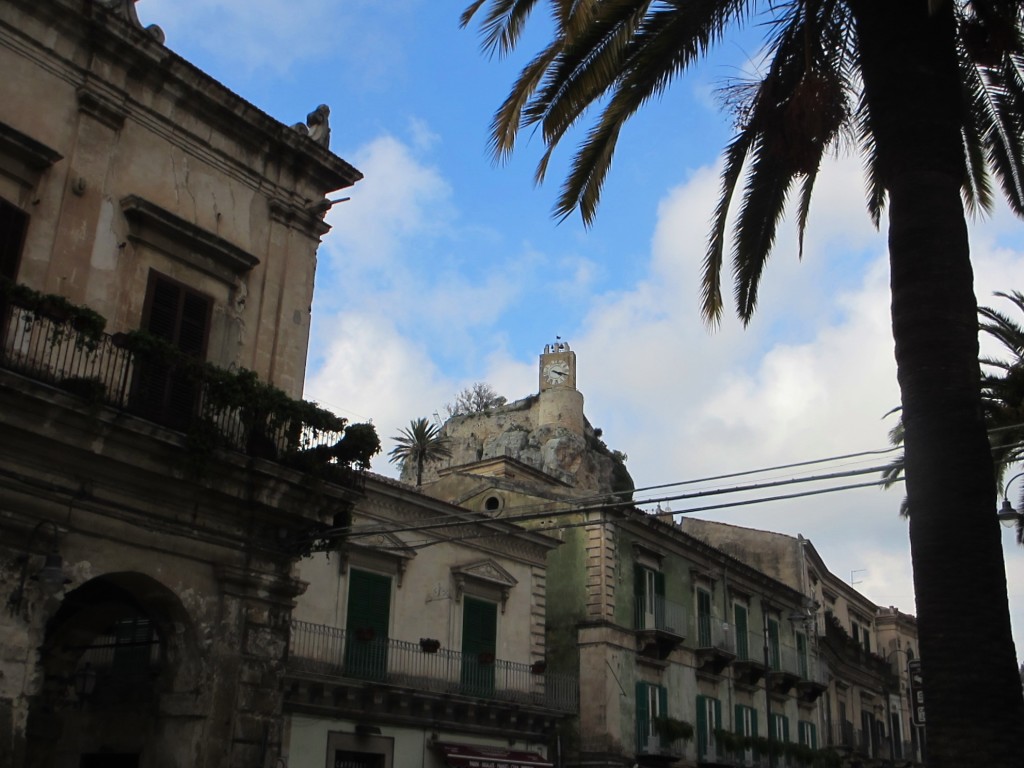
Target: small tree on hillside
x=478 y=398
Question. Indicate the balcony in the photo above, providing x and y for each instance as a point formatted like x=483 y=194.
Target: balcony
x=748 y=665
x=715 y=648
x=654 y=744
x=660 y=627
x=813 y=679
x=785 y=668
x=331 y=654
x=185 y=395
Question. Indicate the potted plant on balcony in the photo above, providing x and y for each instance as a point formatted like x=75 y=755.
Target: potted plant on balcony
x=485 y=658
x=539 y=667
x=669 y=729
x=429 y=645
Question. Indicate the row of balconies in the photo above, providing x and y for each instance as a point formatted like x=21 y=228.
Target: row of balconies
x=668 y=625
x=843 y=736
x=331 y=652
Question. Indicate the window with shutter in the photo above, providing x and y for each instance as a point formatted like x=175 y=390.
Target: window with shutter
x=181 y=316
x=13 y=224
x=808 y=734
x=709 y=717
x=479 y=641
x=742 y=636
x=366 y=625
x=703 y=619
x=774 y=656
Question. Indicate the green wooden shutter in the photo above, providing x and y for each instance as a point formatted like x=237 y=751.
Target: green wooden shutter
x=643 y=717
x=479 y=626
x=639 y=595
x=801 y=654
x=742 y=636
x=738 y=719
x=702 y=727
x=479 y=641
x=659 y=601
x=366 y=624
x=753 y=723
x=703 y=618
x=718 y=715
x=773 y=644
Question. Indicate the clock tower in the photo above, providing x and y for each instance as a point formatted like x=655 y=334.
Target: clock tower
x=561 y=404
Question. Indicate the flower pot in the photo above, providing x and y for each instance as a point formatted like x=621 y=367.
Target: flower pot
x=429 y=645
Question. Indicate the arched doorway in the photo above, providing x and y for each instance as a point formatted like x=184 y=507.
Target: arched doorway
x=117 y=645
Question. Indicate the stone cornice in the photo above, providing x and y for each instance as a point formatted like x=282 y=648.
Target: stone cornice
x=181 y=239
x=23 y=158
x=119 y=44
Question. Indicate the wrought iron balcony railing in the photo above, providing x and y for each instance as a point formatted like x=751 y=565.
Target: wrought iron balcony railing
x=105 y=371
x=661 y=614
x=334 y=652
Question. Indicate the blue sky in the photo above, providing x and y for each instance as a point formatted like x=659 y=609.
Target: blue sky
x=444 y=269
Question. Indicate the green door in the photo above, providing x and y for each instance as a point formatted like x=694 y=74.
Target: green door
x=366 y=630
x=703 y=619
x=479 y=640
x=742 y=638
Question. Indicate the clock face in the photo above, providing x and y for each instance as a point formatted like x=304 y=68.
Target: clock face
x=556 y=373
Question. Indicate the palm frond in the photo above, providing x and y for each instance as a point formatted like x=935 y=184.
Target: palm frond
x=502 y=25
x=711 y=281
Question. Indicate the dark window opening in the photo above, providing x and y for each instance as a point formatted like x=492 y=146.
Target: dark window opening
x=492 y=504
x=13 y=225
x=162 y=391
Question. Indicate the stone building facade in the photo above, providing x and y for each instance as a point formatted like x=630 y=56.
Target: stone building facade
x=696 y=644
x=146 y=565
x=421 y=642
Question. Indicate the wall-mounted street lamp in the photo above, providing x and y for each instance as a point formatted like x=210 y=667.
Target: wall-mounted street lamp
x=1007 y=515
x=50 y=577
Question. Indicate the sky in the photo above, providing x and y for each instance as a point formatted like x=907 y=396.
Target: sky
x=445 y=268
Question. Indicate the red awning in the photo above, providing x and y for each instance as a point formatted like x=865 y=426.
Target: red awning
x=477 y=756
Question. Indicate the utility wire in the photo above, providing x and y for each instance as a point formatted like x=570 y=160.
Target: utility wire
x=576 y=508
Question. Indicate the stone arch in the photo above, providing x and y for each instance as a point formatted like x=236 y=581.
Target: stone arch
x=116 y=650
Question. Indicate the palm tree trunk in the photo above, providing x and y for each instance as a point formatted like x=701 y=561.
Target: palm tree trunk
x=973 y=701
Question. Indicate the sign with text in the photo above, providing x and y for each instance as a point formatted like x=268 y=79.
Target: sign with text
x=916 y=692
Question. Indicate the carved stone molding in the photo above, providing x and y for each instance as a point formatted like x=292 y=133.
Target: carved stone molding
x=23 y=158
x=125 y=9
x=487 y=573
x=185 y=241
x=102 y=103
x=382 y=545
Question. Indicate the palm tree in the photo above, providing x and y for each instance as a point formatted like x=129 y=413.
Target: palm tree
x=419 y=443
x=932 y=92
x=1002 y=400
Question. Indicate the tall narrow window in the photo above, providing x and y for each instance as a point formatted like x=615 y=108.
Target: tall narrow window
x=746 y=725
x=13 y=223
x=651 y=704
x=704 y=638
x=742 y=638
x=479 y=640
x=366 y=626
x=649 y=591
x=780 y=728
x=808 y=733
x=709 y=717
x=181 y=317
x=774 y=652
x=801 y=655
